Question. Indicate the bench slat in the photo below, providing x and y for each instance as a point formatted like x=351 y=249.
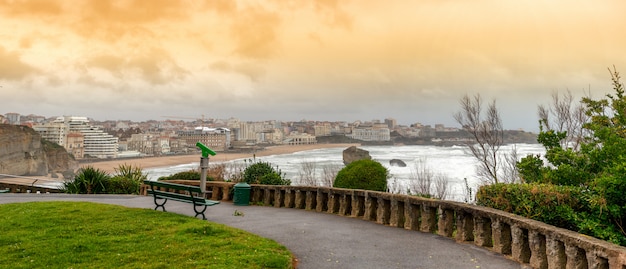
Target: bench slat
x=174 y=186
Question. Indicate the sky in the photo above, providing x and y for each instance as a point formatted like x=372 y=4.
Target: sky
x=291 y=60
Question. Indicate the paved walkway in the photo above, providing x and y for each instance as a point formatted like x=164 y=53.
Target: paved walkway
x=321 y=240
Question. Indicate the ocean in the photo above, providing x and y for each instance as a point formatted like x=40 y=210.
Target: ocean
x=454 y=164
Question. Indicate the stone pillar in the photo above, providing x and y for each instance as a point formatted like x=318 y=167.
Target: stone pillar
x=358 y=206
x=322 y=199
x=279 y=197
x=537 y=244
x=520 y=251
x=383 y=211
x=429 y=219
x=289 y=198
x=257 y=194
x=446 y=222
x=371 y=204
x=595 y=261
x=267 y=198
x=333 y=202
x=482 y=232
x=412 y=216
x=555 y=250
x=464 y=227
x=345 y=201
x=300 y=202
x=310 y=203
x=397 y=213
x=501 y=237
x=576 y=258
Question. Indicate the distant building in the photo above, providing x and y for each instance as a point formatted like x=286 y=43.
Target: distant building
x=295 y=138
x=13 y=118
x=218 y=139
x=96 y=143
x=371 y=134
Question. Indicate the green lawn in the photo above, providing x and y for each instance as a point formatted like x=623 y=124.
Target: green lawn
x=91 y=235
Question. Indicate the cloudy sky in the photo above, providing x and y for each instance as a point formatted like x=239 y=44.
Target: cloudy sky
x=296 y=59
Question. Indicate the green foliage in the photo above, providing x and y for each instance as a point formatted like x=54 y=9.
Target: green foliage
x=264 y=173
x=185 y=175
x=548 y=203
x=596 y=166
x=88 y=180
x=56 y=234
x=363 y=174
x=574 y=208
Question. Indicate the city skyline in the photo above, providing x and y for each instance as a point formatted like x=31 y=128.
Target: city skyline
x=315 y=60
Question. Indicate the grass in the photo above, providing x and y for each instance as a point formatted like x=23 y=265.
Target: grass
x=92 y=235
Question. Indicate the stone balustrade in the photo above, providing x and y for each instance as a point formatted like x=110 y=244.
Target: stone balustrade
x=19 y=188
x=524 y=240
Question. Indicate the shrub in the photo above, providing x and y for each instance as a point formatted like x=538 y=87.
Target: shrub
x=579 y=209
x=363 y=174
x=88 y=180
x=264 y=173
x=548 y=203
x=185 y=175
x=122 y=185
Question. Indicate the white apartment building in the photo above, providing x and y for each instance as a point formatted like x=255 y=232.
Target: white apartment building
x=96 y=142
x=370 y=134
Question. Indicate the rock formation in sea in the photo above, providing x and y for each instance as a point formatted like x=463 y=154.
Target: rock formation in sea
x=397 y=162
x=353 y=153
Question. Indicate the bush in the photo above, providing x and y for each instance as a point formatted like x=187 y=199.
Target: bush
x=88 y=180
x=547 y=203
x=264 y=173
x=579 y=209
x=363 y=174
x=122 y=185
x=185 y=175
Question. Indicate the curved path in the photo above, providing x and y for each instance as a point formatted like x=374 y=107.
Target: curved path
x=321 y=240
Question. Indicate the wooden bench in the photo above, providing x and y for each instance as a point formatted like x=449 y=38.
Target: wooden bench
x=191 y=195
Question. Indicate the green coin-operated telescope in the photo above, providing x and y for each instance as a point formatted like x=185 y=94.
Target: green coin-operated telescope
x=204 y=165
x=205 y=150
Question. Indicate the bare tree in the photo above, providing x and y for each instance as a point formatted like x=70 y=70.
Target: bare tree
x=441 y=187
x=329 y=173
x=425 y=182
x=486 y=132
x=510 y=172
x=563 y=115
x=308 y=175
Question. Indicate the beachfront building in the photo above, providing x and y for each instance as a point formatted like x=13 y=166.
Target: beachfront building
x=95 y=142
x=218 y=139
x=295 y=138
x=371 y=134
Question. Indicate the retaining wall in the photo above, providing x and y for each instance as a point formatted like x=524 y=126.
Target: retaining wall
x=524 y=240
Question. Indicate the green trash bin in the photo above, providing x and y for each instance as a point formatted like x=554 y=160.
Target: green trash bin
x=242 y=194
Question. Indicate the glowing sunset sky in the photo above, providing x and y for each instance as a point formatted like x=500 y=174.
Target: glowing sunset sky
x=290 y=60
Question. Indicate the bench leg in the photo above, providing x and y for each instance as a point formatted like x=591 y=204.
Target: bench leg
x=198 y=212
x=162 y=205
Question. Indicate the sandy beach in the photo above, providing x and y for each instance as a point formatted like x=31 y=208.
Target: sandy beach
x=151 y=162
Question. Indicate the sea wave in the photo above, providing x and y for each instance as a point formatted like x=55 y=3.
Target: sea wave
x=454 y=163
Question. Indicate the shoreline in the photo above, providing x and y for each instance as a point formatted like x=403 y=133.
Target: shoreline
x=154 y=162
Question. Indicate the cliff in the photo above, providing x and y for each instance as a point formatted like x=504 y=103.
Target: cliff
x=23 y=153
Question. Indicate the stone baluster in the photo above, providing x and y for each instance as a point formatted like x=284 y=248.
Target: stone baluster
x=501 y=232
x=446 y=222
x=429 y=219
x=520 y=251
x=537 y=244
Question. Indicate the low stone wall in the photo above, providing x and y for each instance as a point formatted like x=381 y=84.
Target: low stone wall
x=524 y=240
x=16 y=188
